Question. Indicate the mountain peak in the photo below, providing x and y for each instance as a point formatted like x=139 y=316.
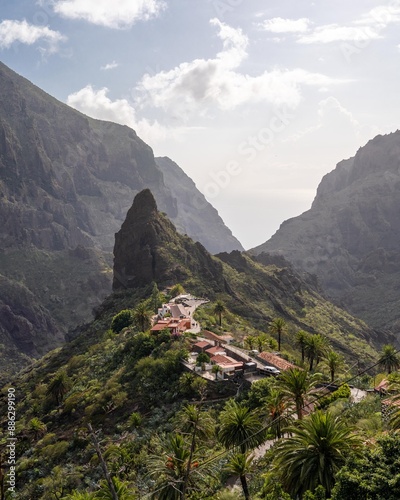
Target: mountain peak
x=350 y=238
x=149 y=248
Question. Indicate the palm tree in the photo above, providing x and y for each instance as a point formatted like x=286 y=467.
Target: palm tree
x=197 y=425
x=316 y=346
x=122 y=490
x=250 y=341
x=301 y=341
x=216 y=369
x=316 y=449
x=141 y=316
x=261 y=340
x=333 y=361
x=296 y=385
x=37 y=428
x=169 y=468
x=219 y=309
x=59 y=386
x=80 y=495
x=240 y=427
x=241 y=464
x=276 y=406
x=277 y=327
x=389 y=359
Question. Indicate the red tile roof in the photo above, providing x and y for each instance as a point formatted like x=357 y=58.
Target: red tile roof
x=277 y=361
x=215 y=350
x=219 y=359
x=201 y=344
x=213 y=336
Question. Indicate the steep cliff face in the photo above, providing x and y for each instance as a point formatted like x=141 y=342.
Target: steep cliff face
x=148 y=248
x=195 y=216
x=350 y=238
x=66 y=183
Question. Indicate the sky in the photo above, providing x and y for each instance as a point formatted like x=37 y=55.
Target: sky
x=256 y=101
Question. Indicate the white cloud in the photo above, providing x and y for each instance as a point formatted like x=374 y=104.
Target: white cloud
x=383 y=15
x=23 y=32
x=280 y=25
x=112 y=14
x=368 y=27
x=335 y=33
x=109 y=66
x=204 y=84
x=333 y=120
x=97 y=104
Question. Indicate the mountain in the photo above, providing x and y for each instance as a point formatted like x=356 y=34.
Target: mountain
x=350 y=238
x=195 y=216
x=148 y=249
x=66 y=183
x=132 y=386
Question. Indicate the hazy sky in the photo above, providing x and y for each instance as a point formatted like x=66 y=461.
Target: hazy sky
x=256 y=100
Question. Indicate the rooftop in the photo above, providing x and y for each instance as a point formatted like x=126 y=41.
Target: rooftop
x=277 y=361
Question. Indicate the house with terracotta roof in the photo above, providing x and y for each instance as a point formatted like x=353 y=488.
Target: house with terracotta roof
x=213 y=351
x=226 y=363
x=201 y=346
x=175 y=325
x=218 y=339
x=274 y=360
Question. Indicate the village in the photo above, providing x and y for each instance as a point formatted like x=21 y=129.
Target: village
x=215 y=357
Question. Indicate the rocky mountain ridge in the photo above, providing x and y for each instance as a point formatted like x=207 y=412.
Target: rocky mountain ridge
x=66 y=183
x=350 y=237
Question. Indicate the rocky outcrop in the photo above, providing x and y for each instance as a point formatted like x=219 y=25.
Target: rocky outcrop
x=148 y=248
x=350 y=238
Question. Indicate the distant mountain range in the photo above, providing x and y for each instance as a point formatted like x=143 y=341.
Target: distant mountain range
x=350 y=238
x=66 y=183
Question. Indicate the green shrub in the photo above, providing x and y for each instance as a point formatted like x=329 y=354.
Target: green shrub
x=121 y=320
x=343 y=392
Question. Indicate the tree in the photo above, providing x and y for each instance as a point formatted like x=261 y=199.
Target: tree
x=241 y=464
x=121 y=320
x=278 y=326
x=80 y=495
x=301 y=342
x=317 y=448
x=141 y=316
x=37 y=428
x=261 y=340
x=316 y=347
x=250 y=341
x=333 y=361
x=59 y=386
x=168 y=466
x=296 y=385
x=219 y=309
x=155 y=298
x=122 y=490
x=203 y=357
x=197 y=425
x=389 y=359
x=240 y=427
x=276 y=406
x=177 y=290
x=216 y=369
x=374 y=475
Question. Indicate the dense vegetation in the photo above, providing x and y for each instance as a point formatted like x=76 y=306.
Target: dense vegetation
x=165 y=433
